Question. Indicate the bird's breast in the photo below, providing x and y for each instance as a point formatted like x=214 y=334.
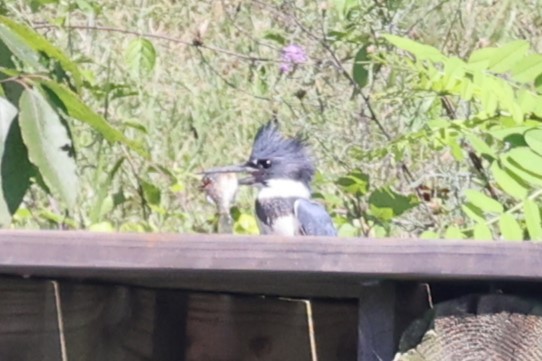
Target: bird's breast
x=276 y=216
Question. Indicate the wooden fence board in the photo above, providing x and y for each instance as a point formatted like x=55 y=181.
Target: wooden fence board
x=244 y=328
x=28 y=321
x=312 y=266
x=121 y=323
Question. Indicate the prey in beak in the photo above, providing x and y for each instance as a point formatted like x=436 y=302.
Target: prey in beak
x=221 y=189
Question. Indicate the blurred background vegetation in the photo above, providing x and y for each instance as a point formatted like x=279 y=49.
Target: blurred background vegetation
x=191 y=81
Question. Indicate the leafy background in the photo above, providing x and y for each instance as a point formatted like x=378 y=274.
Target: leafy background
x=416 y=130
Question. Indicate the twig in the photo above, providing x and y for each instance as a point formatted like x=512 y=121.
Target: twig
x=517 y=206
x=312 y=336
x=158 y=37
x=473 y=157
x=425 y=15
x=229 y=83
x=60 y=321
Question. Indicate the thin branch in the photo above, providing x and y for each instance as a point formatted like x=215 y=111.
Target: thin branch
x=158 y=37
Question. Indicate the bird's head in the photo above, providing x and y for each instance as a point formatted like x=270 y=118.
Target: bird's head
x=273 y=157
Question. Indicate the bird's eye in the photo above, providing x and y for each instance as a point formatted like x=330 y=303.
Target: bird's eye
x=264 y=163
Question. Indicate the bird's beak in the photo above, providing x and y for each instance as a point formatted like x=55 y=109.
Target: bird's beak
x=240 y=168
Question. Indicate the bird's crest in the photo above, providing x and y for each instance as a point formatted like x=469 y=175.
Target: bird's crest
x=269 y=143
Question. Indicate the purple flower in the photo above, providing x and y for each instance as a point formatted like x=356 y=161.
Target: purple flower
x=291 y=55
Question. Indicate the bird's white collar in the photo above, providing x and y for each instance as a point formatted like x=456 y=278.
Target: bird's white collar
x=284 y=188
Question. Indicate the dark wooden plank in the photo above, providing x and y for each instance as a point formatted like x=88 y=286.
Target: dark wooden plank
x=28 y=321
x=112 y=323
x=245 y=328
x=336 y=329
x=170 y=323
x=386 y=310
x=312 y=266
x=414 y=301
x=376 y=327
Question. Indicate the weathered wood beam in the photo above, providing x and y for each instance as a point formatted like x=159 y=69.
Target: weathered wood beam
x=310 y=266
x=385 y=310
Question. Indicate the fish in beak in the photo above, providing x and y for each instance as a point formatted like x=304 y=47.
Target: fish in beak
x=221 y=189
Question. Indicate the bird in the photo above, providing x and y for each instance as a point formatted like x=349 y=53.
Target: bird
x=282 y=169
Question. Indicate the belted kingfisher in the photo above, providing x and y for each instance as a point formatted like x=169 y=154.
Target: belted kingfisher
x=283 y=169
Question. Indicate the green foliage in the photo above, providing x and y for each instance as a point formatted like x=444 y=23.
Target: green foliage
x=432 y=134
x=36 y=141
x=502 y=129
x=49 y=145
x=140 y=57
x=369 y=210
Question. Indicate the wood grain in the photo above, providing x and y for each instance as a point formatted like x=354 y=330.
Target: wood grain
x=476 y=327
x=28 y=321
x=303 y=266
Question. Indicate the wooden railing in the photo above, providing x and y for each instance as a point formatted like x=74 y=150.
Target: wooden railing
x=102 y=296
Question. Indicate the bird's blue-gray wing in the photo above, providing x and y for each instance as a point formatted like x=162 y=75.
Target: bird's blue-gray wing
x=313 y=219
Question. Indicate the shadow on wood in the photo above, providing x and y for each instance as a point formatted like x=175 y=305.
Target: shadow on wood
x=385 y=311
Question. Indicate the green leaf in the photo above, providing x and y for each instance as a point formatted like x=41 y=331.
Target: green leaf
x=100 y=208
x=151 y=192
x=526 y=70
x=348 y=230
x=524 y=158
x=41 y=44
x=509 y=182
x=533 y=138
x=508 y=55
x=19 y=48
x=479 y=145
x=420 y=51
x=510 y=228
x=482 y=232
x=528 y=101
x=533 y=220
x=452 y=232
x=454 y=70
x=500 y=59
x=101 y=227
x=479 y=59
x=485 y=203
x=490 y=90
x=538 y=83
x=355 y=182
x=473 y=212
x=275 y=36
x=385 y=204
x=524 y=174
x=36 y=5
x=359 y=69
x=49 y=145
x=8 y=112
x=15 y=169
x=246 y=224
x=140 y=56
x=75 y=108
